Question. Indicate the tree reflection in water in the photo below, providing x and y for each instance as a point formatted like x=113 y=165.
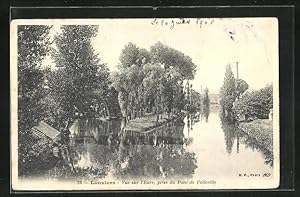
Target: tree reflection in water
x=232 y=133
x=254 y=145
x=159 y=154
x=100 y=147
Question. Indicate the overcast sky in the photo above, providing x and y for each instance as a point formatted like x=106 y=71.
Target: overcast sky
x=211 y=43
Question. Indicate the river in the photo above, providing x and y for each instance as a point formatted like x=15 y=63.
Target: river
x=224 y=151
x=192 y=149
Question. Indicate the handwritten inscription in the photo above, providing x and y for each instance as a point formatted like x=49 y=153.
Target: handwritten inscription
x=172 y=23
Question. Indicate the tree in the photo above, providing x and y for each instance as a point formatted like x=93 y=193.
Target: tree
x=172 y=90
x=197 y=102
x=172 y=58
x=128 y=82
x=241 y=87
x=79 y=72
x=228 y=95
x=132 y=55
x=178 y=67
x=255 y=104
x=152 y=81
x=33 y=46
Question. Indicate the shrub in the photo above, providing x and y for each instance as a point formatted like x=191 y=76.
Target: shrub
x=255 y=104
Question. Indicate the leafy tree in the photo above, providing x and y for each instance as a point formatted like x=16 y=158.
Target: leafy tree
x=171 y=91
x=255 y=104
x=132 y=55
x=128 y=82
x=33 y=46
x=228 y=95
x=152 y=81
x=154 y=74
x=196 y=101
x=79 y=72
x=172 y=58
x=241 y=87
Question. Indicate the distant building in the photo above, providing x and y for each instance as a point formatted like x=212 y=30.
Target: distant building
x=214 y=98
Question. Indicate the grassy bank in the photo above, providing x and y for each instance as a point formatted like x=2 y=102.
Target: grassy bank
x=260 y=130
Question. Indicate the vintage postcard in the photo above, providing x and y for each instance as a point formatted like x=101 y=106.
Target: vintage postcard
x=144 y=104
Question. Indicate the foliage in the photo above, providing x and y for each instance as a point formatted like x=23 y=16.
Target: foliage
x=33 y=46
x=112 y=102
x=154 y=74
x=261 y=130
x=196 y=103
x=241 y=87
x=172 y=58
x=128 y=82
x=172 y=89
x=228 y=95
x=255 y=104
x=79 y=72
x=152 y=81
x=260 y=137
x=132 y=55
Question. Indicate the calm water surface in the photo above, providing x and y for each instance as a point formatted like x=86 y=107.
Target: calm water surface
x=192 y=148
x=224 y=151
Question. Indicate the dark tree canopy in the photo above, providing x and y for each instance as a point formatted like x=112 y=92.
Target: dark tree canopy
x=241 y=87
x=172 y=58
x=159 y=53
x=133 y=55
x=228 y=90
x=152 y=79
x=33 y=46
x=80 y=72
x=255 y=104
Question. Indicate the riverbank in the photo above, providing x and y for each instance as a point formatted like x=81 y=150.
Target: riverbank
x=148 y=122
x=261 y=131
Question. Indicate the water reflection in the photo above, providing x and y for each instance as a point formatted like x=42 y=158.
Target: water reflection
x=102 y=147
x=166 y=160
x=232 y=133
x=255 y=146
x=193 y=118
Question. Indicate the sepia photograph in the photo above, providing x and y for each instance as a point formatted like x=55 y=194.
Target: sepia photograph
x=144 y=104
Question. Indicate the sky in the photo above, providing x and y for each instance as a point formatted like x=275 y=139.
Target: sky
x=211 y=43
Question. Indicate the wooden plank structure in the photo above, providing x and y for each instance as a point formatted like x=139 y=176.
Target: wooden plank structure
x=47 y=135
x=44 y=130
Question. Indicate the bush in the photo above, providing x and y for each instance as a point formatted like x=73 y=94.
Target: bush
x=256 y=104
